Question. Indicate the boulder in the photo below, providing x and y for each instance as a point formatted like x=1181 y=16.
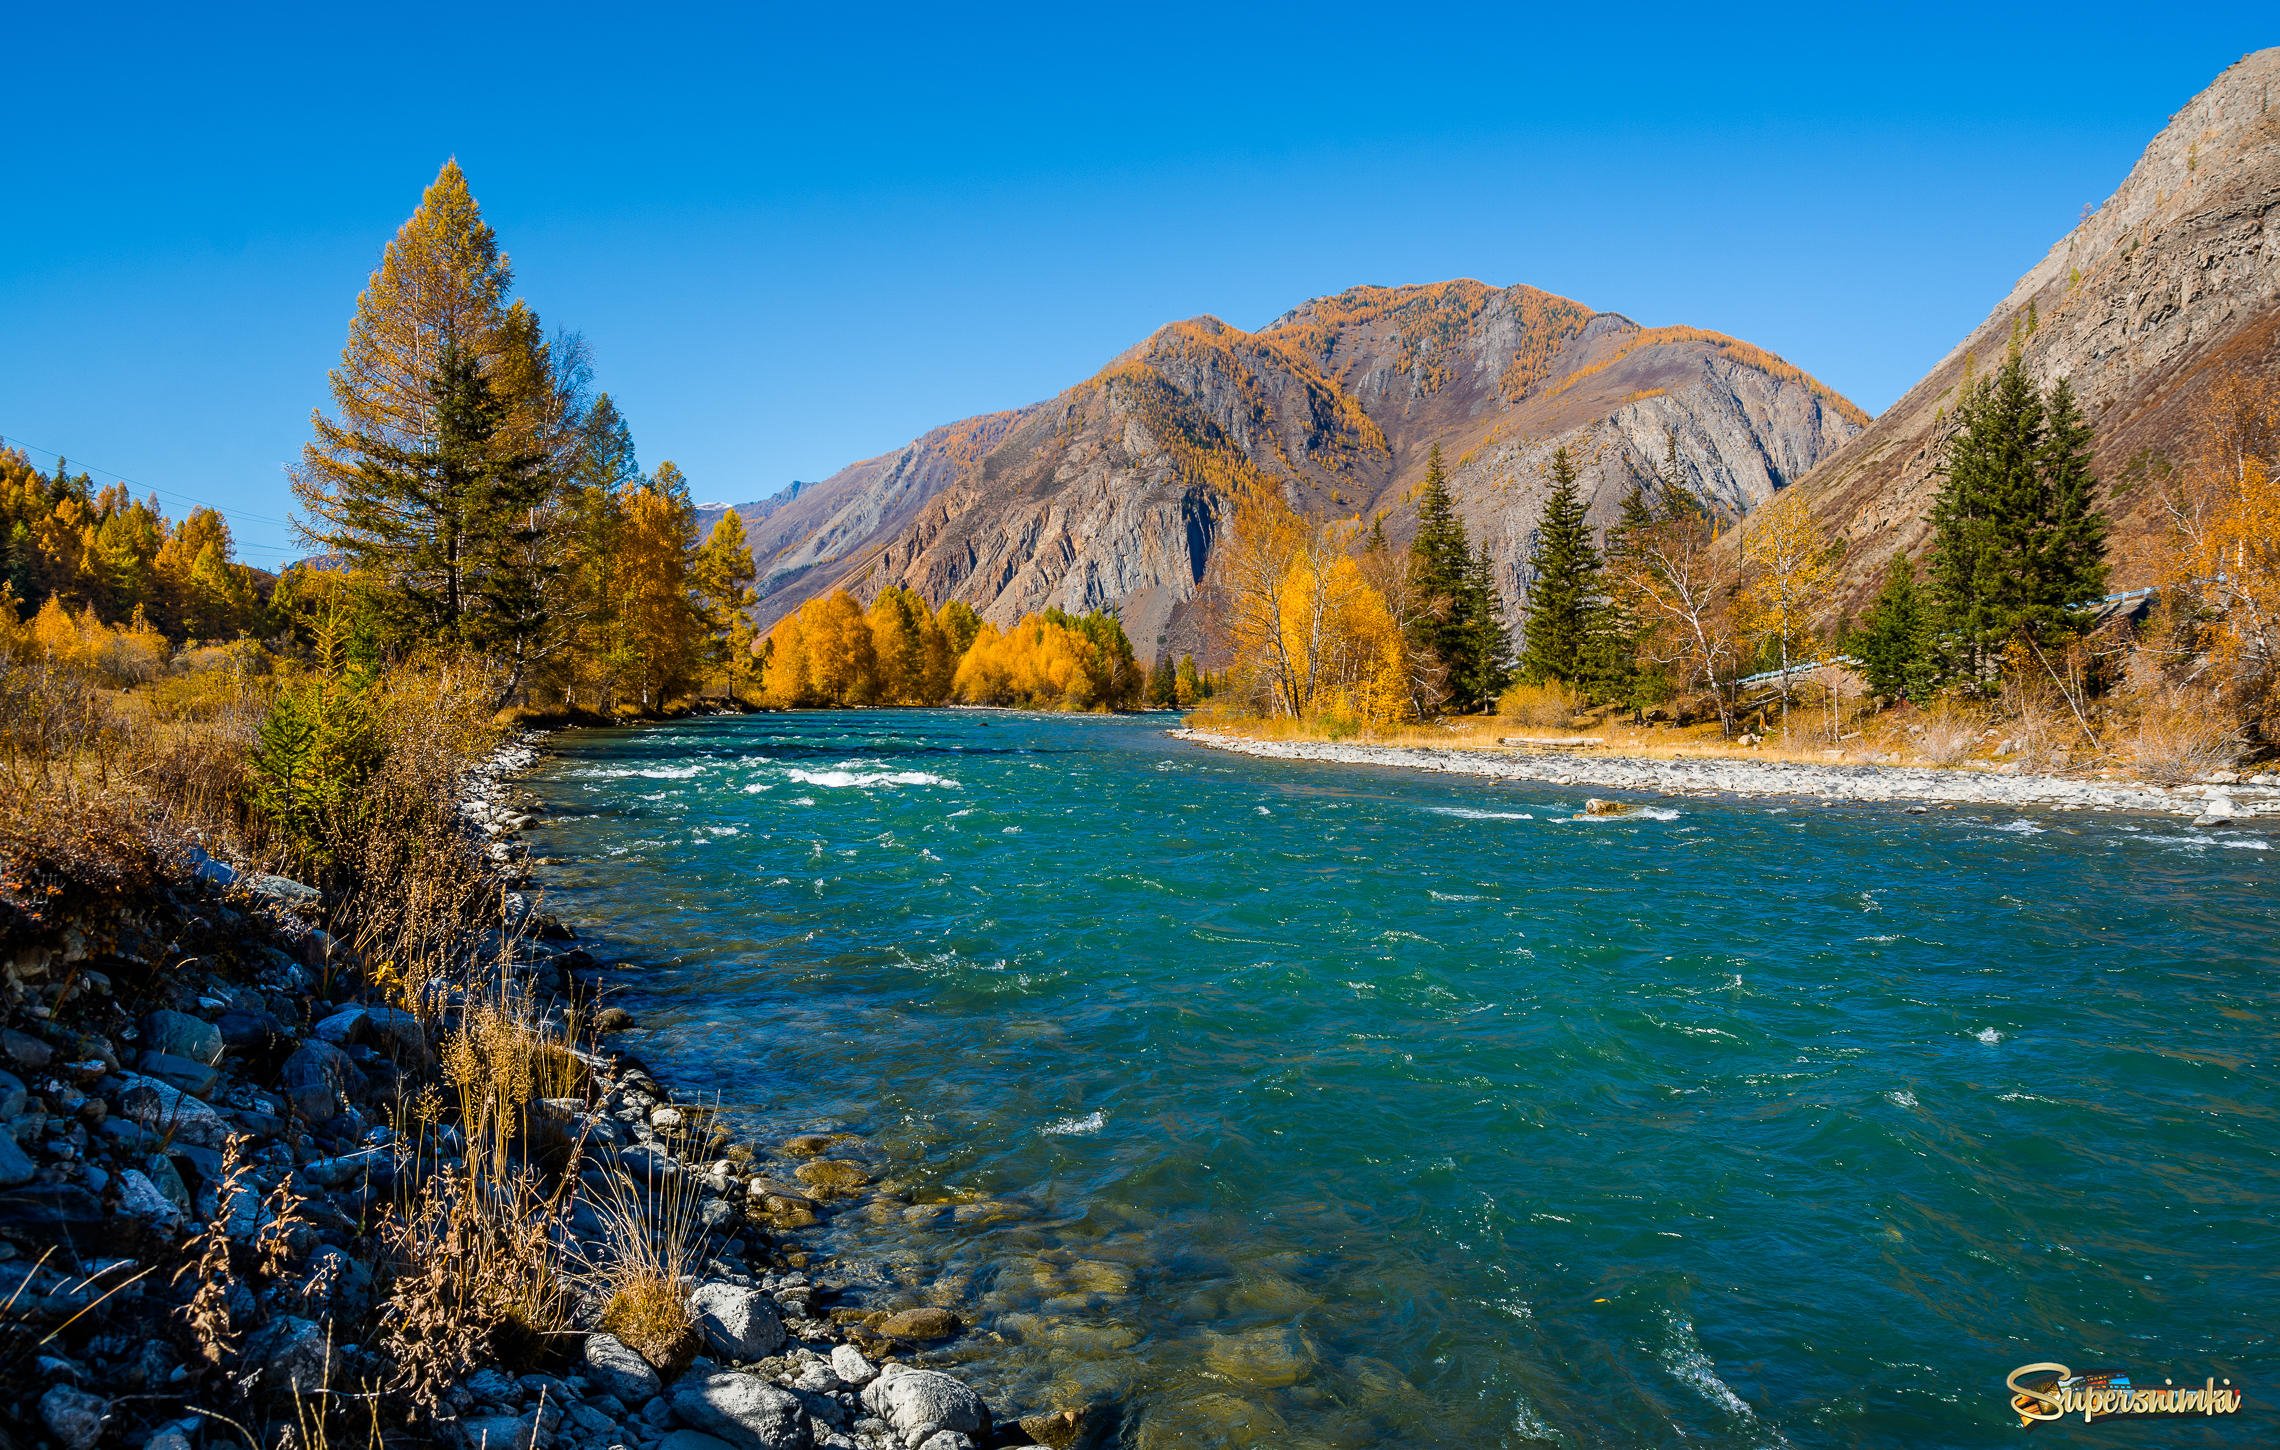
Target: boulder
x=739 y=1323
x=16 y=1166
x=294 y=1357
x=314 y=1080
x=283 y=891
x=618 y=1370
x=141 y=1199
x=747 y=1412
x=916 y=1324
x=693 y=1440
x=168 y=1111
x=74 y=1416
x=185 y=1073
x=178 y=1034
x=13 y=1096
x=849 y=1364
x=1594 y=806
x=917 y=1403
x=2218 y=810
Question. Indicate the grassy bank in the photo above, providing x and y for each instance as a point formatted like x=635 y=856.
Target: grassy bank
x=309 y=1133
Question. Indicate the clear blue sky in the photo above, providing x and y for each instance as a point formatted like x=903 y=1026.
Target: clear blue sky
x=795 y=239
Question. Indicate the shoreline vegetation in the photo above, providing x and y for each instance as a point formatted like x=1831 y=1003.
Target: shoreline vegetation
x=309 y=1131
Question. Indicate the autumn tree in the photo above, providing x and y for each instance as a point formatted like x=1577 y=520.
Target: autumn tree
x=1664 y=569
x=723 y=572
x=664 y=632
x=2224 y=511
x=1787 y=572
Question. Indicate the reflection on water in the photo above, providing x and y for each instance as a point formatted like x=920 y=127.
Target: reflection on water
x=1298 y=1105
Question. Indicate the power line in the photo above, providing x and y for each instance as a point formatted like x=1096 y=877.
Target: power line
x=174 y=494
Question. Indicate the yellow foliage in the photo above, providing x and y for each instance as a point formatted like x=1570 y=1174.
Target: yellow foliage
x=124 y=655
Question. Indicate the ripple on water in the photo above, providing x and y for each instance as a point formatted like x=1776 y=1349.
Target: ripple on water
x=1376 y=1119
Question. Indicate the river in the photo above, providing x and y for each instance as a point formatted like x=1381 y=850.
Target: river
x=1297 y=1104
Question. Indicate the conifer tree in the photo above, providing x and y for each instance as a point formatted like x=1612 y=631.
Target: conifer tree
x=1457 y=628
x=1894 y=641
x=723 y=572
x=2018 y=539
x=1564 y=595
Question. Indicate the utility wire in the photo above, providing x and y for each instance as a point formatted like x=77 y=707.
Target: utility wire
x=175 y=494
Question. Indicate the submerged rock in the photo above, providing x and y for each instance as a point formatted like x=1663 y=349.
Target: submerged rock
x=916 y=1324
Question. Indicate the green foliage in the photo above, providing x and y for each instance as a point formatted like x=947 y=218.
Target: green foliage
x=1458 y=627
x=2019 y=540
x=314 y=756
x=1894 y=642
x=1565 y=639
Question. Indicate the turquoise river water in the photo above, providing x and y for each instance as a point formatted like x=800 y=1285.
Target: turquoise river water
x=1310 y=1105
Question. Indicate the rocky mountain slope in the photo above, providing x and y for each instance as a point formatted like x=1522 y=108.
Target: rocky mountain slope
x=2173 y=280
x=1114 y=493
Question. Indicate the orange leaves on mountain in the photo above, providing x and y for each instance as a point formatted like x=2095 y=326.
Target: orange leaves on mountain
x=2225 y=514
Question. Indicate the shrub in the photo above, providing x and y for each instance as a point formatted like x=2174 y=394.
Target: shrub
x=1550 y=705
x=2177 y=739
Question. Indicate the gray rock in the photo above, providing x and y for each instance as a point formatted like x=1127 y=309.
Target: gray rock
x=178 y=1034
x=168 y=1437
x=141 y=1199
x=25 y=1050
x=185 y=1073
x=294 y=1356
x=2219 y=810
x=74 y=1416
x=739 y=1323
x=693 y=1440
x=617 y=1370
x=13 y=1096
x=283 y=890
x=849 y=1364
x=314 y=1079
x=947 y=1440
x=16 y=1166
x=919 y=1402
x=745 y=1411
x=168 y=1111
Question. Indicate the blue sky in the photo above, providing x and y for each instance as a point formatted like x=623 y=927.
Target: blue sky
x=796 y=239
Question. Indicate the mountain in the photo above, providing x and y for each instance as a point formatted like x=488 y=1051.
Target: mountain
x=2175 y=279
x=1114 y=492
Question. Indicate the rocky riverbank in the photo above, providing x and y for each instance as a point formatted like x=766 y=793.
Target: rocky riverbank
x=209 y=1146
x=2214 y=804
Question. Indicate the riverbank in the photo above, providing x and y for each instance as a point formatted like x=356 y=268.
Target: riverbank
x=1915 y=785
x=251 y=1183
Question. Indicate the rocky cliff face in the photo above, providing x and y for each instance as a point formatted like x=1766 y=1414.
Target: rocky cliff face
x=2174 y=279
x=1114 y=493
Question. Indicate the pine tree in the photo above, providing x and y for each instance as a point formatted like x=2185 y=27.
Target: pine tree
x=2018 y=537
x=1564 y=595
x=1894 y=641
x=1457 y=628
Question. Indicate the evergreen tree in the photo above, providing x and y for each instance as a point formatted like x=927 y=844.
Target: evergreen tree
x=1894 y=641
x=2018 y=539
x=1564 y=595
x=1457 y=628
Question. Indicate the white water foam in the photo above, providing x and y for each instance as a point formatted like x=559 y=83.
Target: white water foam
x=1467 y=813
x=1090 y=1123
x=1988 y=1035
x=864 y=780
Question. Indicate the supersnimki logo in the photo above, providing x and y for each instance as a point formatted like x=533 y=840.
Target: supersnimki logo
x=2052 y=1392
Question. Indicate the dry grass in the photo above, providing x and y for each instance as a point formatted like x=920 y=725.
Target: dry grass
x=652 y=1247
x=2176 y=739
